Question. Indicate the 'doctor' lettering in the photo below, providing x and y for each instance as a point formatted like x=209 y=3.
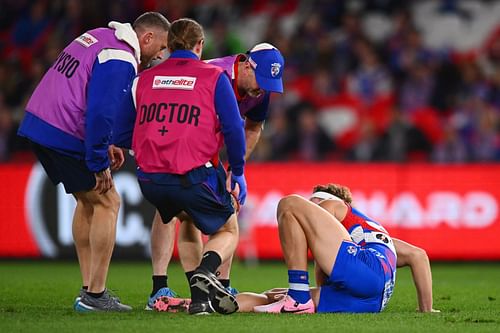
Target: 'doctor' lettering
x=170 y=112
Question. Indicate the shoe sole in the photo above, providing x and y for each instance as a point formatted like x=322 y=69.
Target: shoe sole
x=202 y=313
x=75 y=303
x=222 y=301
x=170 y=304
x=84 y=308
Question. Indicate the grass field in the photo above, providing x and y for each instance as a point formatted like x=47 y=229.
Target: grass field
x=37 y=297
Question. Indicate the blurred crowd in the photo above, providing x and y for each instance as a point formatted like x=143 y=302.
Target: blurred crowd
x=382 y=80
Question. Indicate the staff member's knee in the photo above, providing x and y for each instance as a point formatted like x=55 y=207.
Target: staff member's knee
x=231 y=226
x=109 y=200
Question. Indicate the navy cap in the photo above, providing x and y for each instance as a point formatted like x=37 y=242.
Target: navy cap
x=268 y=64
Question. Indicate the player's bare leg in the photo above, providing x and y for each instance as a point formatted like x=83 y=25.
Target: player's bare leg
x=162 y=244
x=81 y=229
x=162 y=247
x=101 y=236
x=225 y=240
x=190 y=244
x=247 y=301
x=304 y=225
x=101 y=233
x=225 y=268
x=207 y=293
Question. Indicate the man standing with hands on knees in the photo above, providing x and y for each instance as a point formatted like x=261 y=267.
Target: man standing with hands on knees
x=254 y=76
x=181 y=112
x=69 y=119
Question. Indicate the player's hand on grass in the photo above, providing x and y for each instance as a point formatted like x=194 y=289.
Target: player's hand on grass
x=275 y=294
x=242 y=183
x=116 y=157
x=103 y=181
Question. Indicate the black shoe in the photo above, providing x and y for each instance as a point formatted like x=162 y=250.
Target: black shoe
x=202 y=308
x=221 y=300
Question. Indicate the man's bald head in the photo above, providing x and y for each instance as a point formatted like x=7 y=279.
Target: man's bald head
x=152 y=32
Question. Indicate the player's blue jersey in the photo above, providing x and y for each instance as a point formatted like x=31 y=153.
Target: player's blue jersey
x=363 y=277
x=365 y=231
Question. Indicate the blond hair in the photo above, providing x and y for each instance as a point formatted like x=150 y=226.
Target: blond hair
x=184 y=34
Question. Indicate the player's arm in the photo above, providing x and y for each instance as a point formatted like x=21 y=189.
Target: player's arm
x=103 y=100
x=254 y=124
x=417 y=259
x=253 y=129
x=337 y=208
x=248 y=300
x=227 y=110
x=124 y=124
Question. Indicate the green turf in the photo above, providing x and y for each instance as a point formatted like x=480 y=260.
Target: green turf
x=37 y=297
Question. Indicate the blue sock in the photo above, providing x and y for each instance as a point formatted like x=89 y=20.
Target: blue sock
x=299 y=286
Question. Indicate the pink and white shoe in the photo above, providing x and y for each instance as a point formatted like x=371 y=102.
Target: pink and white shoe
x=286 y=305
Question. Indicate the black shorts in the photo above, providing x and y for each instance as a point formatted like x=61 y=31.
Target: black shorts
x=208 y=203
x=73 y=173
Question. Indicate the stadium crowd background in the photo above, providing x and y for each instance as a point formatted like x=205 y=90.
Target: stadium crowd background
x=382 y=80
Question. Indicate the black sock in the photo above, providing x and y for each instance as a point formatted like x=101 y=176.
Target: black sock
x=196 y=294
x=210 y=261
x=159 y=281
x=95 y=295
x=189 y=275
x=225 y=282
x=85 y=288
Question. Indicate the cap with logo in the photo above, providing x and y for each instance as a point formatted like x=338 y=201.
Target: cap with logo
x=268 y=64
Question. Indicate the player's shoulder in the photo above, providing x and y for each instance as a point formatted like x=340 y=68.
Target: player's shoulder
x=208 y=65
x=222 y=60
x=226 y=63
x=208 y=68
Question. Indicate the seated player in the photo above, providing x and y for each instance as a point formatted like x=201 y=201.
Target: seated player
x=339 y=292
x=363 y=272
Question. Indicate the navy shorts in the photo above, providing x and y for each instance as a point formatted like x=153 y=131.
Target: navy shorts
x=70 y=171
x=357 y=282
x=207 y=202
